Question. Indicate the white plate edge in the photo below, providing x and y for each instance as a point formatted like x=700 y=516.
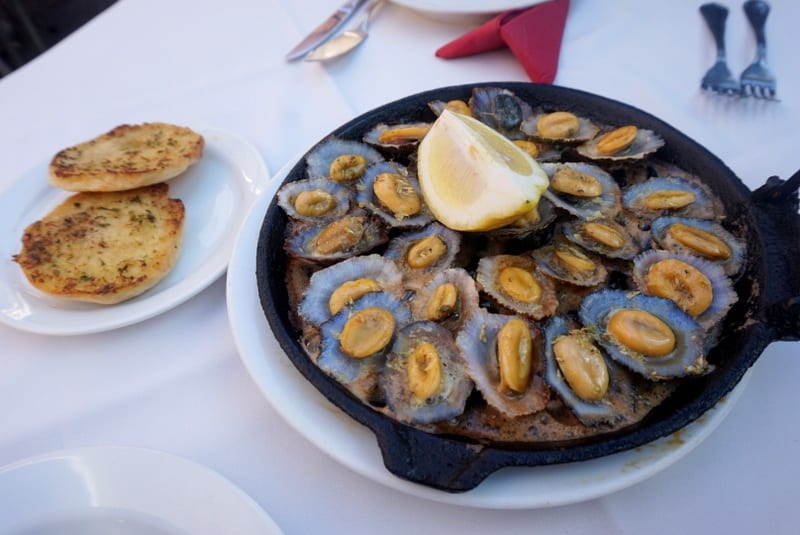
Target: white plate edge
x=621 y=470
x=179 y=293
x=95 y=454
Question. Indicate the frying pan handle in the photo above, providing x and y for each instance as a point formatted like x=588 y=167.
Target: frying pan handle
x=434 y=461
x=776 y=210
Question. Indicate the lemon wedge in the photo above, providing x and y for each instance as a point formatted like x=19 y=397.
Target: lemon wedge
x=473 y=178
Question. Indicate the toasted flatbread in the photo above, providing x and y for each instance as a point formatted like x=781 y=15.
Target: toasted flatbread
x=127 y=157
x=104 y=247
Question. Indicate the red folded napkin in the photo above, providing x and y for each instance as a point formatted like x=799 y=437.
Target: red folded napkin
x=533 y=35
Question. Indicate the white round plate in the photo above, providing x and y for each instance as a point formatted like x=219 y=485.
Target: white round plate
x=126 y=491
x=355 y=446
x=217 y=192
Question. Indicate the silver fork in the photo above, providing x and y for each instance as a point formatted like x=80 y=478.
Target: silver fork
x=719 y=77
x=757 y=80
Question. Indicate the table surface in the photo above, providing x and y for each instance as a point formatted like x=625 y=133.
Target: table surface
x=176 y=382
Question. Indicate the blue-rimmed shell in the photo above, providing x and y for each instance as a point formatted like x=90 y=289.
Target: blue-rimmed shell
x=337 y=194
x=455 y=386
x=351 y=235
x=367 y=199
x=646 y=142
x=396 y=139
x=730 y=262
x=607 y=204
x=614 y=242
x=422 y=253
x=641 y=199
x=493 y=282
x=723 y=294
x=586 y=130
x=536 y=220
x=687 y=357
x=478 y=343
x=500 y=109
x=315 y=304
x=359 y=375
x=619 y=401
x=452 y=317
x=554 y=260
x=320 y=158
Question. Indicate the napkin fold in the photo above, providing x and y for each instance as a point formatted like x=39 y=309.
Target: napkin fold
x=533 y=35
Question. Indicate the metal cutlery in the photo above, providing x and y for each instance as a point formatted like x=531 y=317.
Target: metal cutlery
x=325 y=30
x=718 y=78
x=757 y=80
x=347 y=40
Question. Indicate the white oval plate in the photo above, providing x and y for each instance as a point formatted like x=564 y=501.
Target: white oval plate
x=355 y=446
x=126 y=491
x=217 y=193
x=465 y=7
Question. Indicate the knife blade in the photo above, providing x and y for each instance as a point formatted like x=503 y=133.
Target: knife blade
x=325 y=30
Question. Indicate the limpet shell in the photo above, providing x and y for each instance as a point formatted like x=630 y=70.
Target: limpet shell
x=366 y=198
x=359 y=375
x=723 y=294
x=399 y=248
x=579 y=231
x=620 y=398
x=303 y=239
x=340 y=193
x=607 y=205
x=704 y=206
x=489 y=271
x=320 y=158
x=478 y=342
x=586 y=130
x=646 y=142
x=731 y=265
x=468 y=300
x=449 y=398
x=688 y=356
x=314 y=306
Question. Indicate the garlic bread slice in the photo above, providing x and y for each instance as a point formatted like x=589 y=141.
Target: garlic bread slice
x=127 y=157
x=104 y=247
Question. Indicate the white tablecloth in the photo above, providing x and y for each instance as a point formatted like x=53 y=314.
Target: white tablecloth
x=176 y=383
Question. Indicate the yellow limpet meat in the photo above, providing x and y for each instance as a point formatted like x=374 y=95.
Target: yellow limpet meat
x=682 y=283
x=558 y=125
x=520 y=284
x=348 y=167
x=443 y=303
x=403 y=134
x=340 y=235
x=573 y=260
x=396 y=193
x=314 y=203
x=424 y=371
x=669 y=200
x=604 y=234
x=573 y=182
x=642 y=332
x=700 y=241
x=366 y=332
x=515 y=355
x=617 y=140
x=582 y=365
x=426 y=252
x=528 y=146
x=350 y=291
x=459 y=106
